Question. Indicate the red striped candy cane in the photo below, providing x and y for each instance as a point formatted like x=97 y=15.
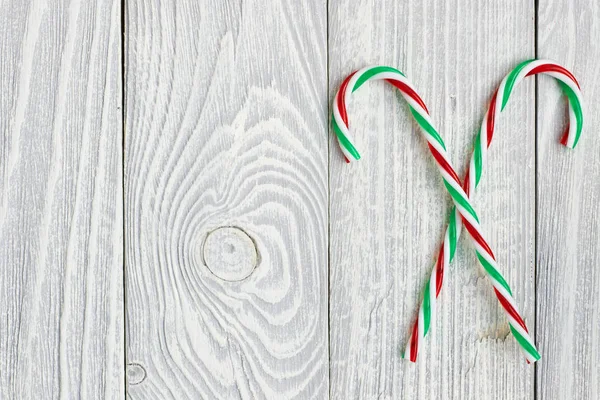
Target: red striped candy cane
x=482 y=142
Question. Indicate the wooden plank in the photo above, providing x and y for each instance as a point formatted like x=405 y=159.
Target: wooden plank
x=388 y=210
x=568 y=217
x=226 y=199
x=61 y=265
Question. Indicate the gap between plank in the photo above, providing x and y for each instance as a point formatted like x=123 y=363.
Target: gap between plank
x=328 y=207
x=535 y=201
x=123 y=123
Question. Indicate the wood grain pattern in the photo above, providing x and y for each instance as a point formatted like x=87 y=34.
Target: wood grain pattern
x=235 y=193
x=61 y=266
x=389 y=209
x=568 y=219
x=226 y=127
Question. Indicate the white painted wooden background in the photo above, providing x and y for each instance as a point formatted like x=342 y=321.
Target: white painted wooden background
x=176 y=220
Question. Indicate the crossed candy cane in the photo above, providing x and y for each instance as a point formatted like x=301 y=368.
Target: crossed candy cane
x=463 y=213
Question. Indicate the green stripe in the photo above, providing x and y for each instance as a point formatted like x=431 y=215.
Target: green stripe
x=574 y=101
x=525 y=344
x=344 y=140
x=477 y=158
x=371 y=72
x=426 y=308
x=427 y=127
x=461 y=200
x=452 y=230
x=493 y=272
x=510 y=81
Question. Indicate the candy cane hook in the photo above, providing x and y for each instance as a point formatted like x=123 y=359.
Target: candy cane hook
x=483 y=140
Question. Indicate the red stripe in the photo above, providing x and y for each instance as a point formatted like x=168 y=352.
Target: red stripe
x=414 y=342
x=341 y=102
x=439 y=271
x=442 y=161
x=408 y=90
x=475 y=235
x=491 y=118
x=466 y=182
x=553 y=68
x=513 y=313
x=565 y=137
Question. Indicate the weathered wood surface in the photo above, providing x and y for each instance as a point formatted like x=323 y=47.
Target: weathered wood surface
x=568 y=218
x=226 y=199
x=61 y=224
x=258 y=264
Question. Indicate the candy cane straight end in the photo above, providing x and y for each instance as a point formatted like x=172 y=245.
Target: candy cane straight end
x=406 y=355
x=412 y=346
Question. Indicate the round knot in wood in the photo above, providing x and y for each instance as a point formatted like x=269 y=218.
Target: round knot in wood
x=135 y=374
x=230 y=254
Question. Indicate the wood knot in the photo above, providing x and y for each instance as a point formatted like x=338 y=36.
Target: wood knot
x=135 y=374
x=230 y=254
